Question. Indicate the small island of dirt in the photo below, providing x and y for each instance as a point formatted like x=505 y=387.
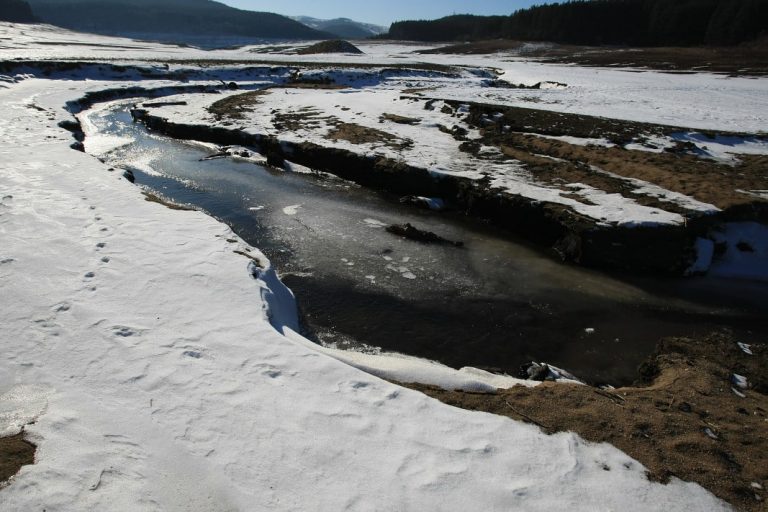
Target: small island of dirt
x=335 y=46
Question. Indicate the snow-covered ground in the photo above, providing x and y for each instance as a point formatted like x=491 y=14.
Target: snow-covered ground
x=423 y=141
x=156 y=368
x=704 y=101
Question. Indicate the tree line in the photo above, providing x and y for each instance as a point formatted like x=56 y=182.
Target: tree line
x=604 y=22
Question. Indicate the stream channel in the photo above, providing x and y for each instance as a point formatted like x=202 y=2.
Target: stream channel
x=495 y=303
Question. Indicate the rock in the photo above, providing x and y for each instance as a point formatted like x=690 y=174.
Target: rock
x=413 y=233
x=535 y=371
x=128 y=174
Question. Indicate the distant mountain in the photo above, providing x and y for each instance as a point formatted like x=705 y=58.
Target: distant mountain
x=170 y=20
x=342 y=27
x=17 y=11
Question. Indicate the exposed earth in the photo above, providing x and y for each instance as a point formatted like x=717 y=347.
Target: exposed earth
x=15 y=452
x=748 y=59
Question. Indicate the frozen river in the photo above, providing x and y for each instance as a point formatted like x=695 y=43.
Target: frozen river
x=495 y=303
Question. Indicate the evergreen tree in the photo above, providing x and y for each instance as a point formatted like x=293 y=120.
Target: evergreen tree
x=595 y=22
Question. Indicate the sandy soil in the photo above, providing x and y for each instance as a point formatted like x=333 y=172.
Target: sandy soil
x=682 y=419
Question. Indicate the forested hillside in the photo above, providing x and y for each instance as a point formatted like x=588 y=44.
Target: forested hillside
x=17 y=11
x=196 y=17
x=594 y=22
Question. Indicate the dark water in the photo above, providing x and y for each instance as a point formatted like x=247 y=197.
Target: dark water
x=495 y=303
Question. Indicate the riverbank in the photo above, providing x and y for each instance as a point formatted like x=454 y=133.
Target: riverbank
x=496 y=302
x=689 y=416
x=601 y=192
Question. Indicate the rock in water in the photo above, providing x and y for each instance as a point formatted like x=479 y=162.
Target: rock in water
x=414 y=233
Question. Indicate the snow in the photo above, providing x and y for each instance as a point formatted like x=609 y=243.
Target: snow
x=579 y=141
x=746 y=251
x=724 y=147
x=317 y=112
x=703 y=101
x=705 y=251
x=292 y=210
x=745 y=347
x=157 y=368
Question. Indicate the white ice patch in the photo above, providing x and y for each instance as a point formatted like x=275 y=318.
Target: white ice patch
x=297 y=168
x=375 y=223
x=292 y=210
x=20 y=406
x=578 y=141
x=100 y=145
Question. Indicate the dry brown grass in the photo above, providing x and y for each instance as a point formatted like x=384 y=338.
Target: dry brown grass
x=665 y=423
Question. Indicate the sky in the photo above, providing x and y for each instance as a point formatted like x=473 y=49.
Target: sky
x=383 y=12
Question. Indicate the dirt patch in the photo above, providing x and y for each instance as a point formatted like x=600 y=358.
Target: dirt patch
x=476 y=48
x=417 y=90
x=305 y=118
x=236 y=106
x=705 y=180
x=357 y=134
x=683 y=418
x=15 y=452
x=336 y=46
x=678 y=169
x=746 y=59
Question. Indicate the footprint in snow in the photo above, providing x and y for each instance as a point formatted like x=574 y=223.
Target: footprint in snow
x=125 y=332
x=101 y=245
x=105 y=259
x=90 y=275
x=61 y=308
